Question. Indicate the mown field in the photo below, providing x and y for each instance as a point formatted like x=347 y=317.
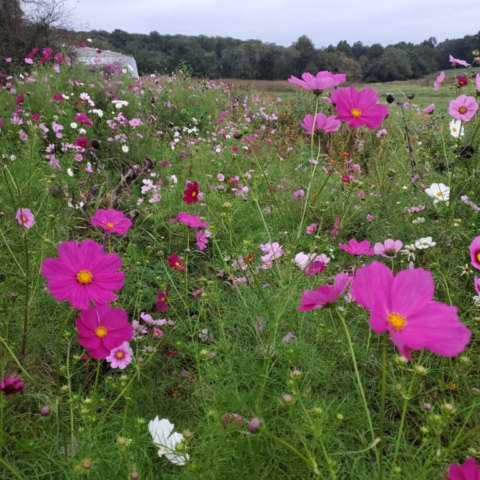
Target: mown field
x=182 y=249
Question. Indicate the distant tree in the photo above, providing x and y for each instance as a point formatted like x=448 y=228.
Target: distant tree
x=305 y=50
x=359 y=50
x=345 y=48
x=393 y=64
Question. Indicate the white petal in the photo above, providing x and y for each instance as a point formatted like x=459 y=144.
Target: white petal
x=160 y=430
x=178 y=459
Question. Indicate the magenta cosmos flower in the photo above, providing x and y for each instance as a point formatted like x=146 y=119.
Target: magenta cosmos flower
x=83 y=273
x=83 y=119
x=403 y=306
x=25 y=217
x=359 y=107
x=162 y=300
x=321 y=81
x=192 y=221
x=463 y=108
x=103 y=328
x=112 y=221
x=10 y=385
x=469 y=470
x=357 y=248
x=475 y=252
x=190 y=194
x=322 y=123
x=456 y=61
x=120 y=357
x=325 y=295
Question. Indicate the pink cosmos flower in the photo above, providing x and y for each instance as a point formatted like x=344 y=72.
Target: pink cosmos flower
x=177 y=263
x=25 y=217
x=322 y=123
x=456 y=61
x=112 y=221
x=12 y=384
x=103 y=328
x=389 y=248
x=157 y=333
x=82 y=118
x=81 y=142
x=335 y=228
x=202 y=240
x=311 y=229
x=162 y=300
x=357 y=248
x=475 y=252
x=469 y=470
x=430 y=109
x=82 y=274
x=298 y=194
x=325 y=295
x=477 y=81
x=272 y=250
x=321 y=81
x=192 y=221
x=19 y=99
x=463 y=108
x=359 y=107
x=403 y=306
x=120 y=357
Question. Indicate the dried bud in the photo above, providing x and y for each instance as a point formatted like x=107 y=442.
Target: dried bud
x=410 y=96
x=390 y=98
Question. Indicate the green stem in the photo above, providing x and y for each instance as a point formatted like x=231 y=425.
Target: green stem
x=382 y=405
x=27 y=297
x=361 y=390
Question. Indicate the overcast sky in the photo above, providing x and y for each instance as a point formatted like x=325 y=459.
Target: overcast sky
x=283 y=21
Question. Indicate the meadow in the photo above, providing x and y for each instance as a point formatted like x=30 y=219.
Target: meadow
x=194 y=285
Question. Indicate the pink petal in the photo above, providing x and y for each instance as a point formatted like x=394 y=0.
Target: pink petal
x=411 y=290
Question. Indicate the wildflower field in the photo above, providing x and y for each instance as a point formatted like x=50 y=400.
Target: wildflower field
x=204 y=282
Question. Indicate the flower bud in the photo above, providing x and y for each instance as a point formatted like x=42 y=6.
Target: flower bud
x=254 y=425
x=45 y=411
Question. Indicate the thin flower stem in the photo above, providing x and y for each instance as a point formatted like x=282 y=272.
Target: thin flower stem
x=404 y=414
x=309 y=461
x=97 y=376
x=27 y=297
x=361 y=390
x=382 y=406
x=25 y=373
x=11 y=253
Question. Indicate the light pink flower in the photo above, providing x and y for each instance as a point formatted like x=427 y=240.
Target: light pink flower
x=477 y=81
x=456 y=61
x=272 y=250
x=312 y=228
x=202 y=240
x=463 y=108
x=403 y=306
x=359 y=108
x=439 y=81
x=430 y=109
x=325 y=295
x=321 y=81
x=389 y=248
x=322 y=123
x=120 y=357
x=298 y=194
x=25 y=217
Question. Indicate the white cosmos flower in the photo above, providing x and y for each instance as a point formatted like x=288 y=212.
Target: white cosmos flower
x=438 y=191
x=410 y=251
x=125 y=148
x=70 y=172
x=423 y=243
x=456 y=129
x=167 y=440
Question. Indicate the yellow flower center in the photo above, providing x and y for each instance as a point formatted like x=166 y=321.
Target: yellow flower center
x=454 y=129
x=356 y=112
x=24 y=218
x=478 y=256
x=84 y=277
x=110 y=225
x=396 y=321
x=194 y=194
x=119 y=355
x=462 y=109
x=101 y=332
x=177 y=264
x=439 y=194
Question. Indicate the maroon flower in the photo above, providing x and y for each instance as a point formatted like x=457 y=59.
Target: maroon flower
x=10 y=385
x=190 y=195
x=462 y=81
x=177 y=263
x=58 y=97
x=162 y=300
x=81 y=142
